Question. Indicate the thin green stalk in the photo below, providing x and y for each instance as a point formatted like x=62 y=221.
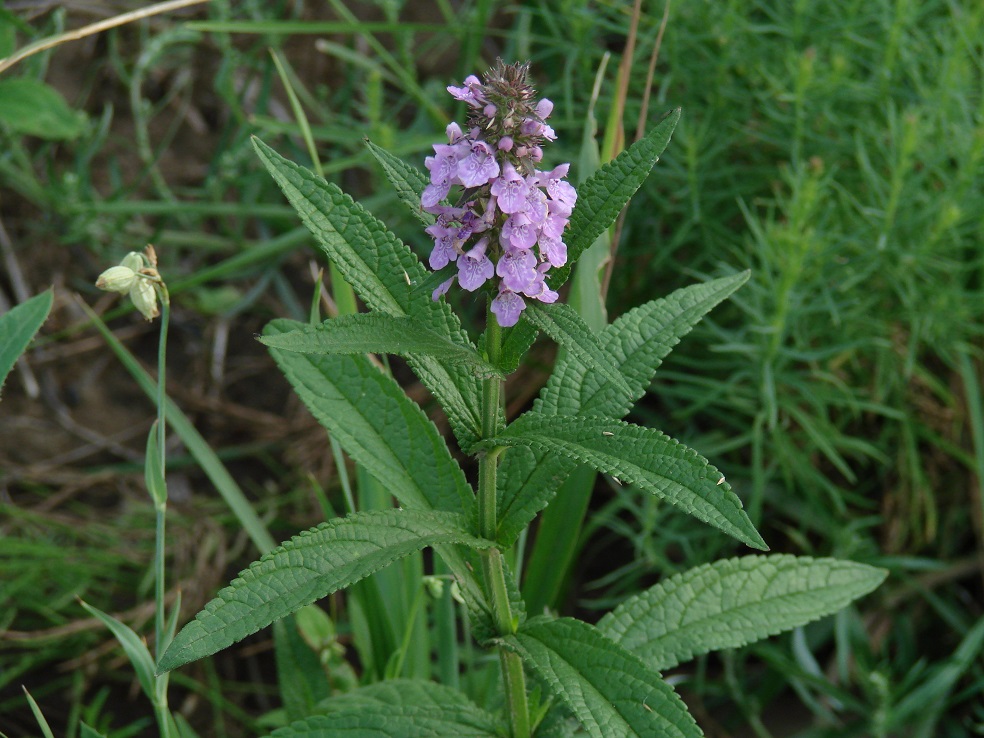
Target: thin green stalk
x=493 y=568
x=161 y=506
x=160 y=510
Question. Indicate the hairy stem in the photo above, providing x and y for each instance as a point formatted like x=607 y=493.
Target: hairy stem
x=493 y=567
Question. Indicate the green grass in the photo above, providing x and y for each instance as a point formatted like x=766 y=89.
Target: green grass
x=836 y=149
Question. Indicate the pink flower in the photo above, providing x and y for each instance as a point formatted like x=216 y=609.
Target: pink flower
x=510 y=190
x=507 y=306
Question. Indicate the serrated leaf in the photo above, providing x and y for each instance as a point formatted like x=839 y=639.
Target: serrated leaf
x=641 y=456
x=384 y=272
x=636 y=343
x=600 y=199
x=310 y=566
x=408 y=181
x=29 y=106
x=133 y=646
x=17 y=328
x=382 y=429
x=611 y=692
x=566 y=327
x=396 y=707
x=733 y=602
x=602 y=196
x=378 y=333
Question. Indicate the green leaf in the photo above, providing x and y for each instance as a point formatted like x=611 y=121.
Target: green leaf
x=382 y=429
x=566 y=327
x=133 y=646
x=637 y=342
x=17 y=328
x=86 y=732
x=310 y=566
x=38 y=715
x=408 y=181
x=641 y=456
x=378 y=333
x=397 y=707
x=153 y=472
x=611 y=692
x=300 y=677
x=384 y=272
x=603 y=195
x=599 y=201
x=732 y=602
x=29 y=106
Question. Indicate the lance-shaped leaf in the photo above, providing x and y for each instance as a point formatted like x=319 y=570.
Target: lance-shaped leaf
x=17 y=328
x=408 y=181
x=642 y=456
x=566 y=327
x=600 y=199
x=732 y=602
x=396 y=707
x=602 y=196
x=636 y=343
x=384 y=272
x=378 y=333
x=611 y=692
x=310 y=566
x=381 y=428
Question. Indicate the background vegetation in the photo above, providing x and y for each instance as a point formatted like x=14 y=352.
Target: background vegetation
x=836 y=149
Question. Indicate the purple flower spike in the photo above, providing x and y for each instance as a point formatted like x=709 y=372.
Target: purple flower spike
x=508 y=218
x=506 y=307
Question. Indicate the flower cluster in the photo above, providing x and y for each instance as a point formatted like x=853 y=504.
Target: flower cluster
x=509 y=218
x=135 y=276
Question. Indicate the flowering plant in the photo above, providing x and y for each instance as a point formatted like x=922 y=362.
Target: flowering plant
x=526 y=227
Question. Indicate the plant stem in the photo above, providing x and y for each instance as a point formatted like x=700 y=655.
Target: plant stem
x=493 y=568
x=160 y=509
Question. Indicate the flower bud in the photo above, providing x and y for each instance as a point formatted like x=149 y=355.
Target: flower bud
x=117 y=279
x=144 y=298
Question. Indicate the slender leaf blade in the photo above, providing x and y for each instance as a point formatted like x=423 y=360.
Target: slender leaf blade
x=383 y=271
x=133 y=646
x=382 y=429
x=602 y=196
x=644 y=457
x=310 y=566
x=733 y=602
x=636 y=343
x=17 y=328
x=378 y=333
x=611 y=692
